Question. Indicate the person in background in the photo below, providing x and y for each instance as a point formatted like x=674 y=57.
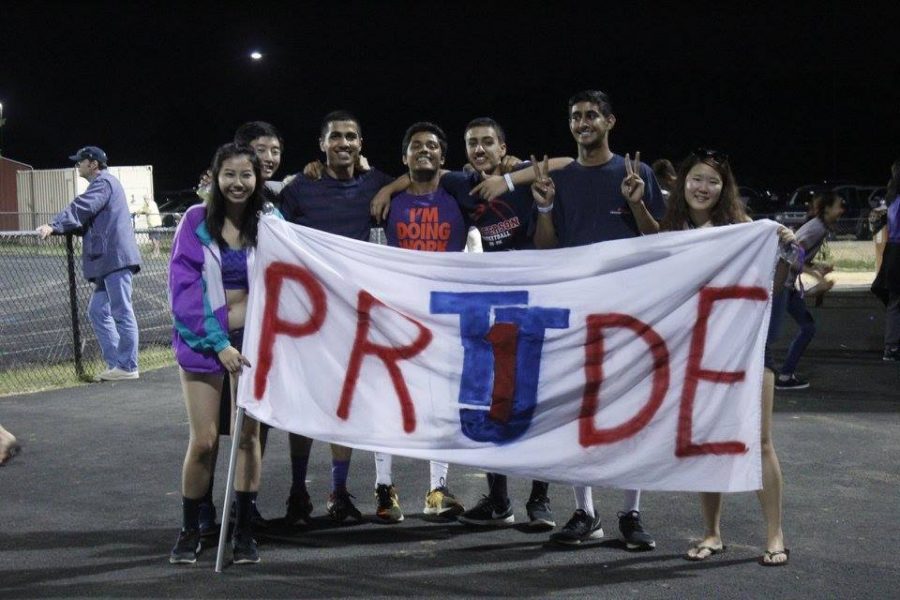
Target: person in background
x=665 y=176
x=9 y=446
x=887 y=284
x=204 y=185
x=151 y=211
x=824 y=211
x=268 y=144
x=109 y=259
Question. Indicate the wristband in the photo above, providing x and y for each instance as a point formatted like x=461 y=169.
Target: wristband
x=545 y=209
x=509 y=183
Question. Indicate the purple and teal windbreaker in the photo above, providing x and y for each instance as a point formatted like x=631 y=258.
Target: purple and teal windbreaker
x=197 y=296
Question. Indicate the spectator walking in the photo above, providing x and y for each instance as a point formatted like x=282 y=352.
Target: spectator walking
x=887 y=284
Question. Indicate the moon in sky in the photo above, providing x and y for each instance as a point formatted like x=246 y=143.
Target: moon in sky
x=256 y=55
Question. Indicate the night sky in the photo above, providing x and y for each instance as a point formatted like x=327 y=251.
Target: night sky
x=794 y=92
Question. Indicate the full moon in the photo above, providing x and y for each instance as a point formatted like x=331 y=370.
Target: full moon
x=256 y=55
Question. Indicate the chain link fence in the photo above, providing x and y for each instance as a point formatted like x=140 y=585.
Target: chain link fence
x=45 y=335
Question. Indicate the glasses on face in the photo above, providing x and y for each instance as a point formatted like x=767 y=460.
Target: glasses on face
x=714 y=155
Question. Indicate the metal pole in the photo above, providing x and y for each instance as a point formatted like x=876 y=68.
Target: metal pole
x=229 y=483
x=73 y=304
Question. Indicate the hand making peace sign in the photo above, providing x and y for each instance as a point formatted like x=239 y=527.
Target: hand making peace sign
x=542 y=189
x=633 y=186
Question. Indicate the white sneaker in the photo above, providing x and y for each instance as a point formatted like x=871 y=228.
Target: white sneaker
x=117 y=374
x=99 y=376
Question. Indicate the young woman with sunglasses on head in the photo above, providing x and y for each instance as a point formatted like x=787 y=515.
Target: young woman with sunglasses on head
x=208 y=288
x=705 y=195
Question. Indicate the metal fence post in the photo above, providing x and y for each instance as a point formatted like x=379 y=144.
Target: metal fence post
x=73 y=304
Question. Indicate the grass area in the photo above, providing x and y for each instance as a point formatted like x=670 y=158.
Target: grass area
x=854 y=264
x=40 y=378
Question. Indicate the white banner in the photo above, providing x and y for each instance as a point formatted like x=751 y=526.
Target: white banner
x=628 y=364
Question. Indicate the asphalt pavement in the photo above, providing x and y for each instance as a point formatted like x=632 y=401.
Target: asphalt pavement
x=91 y=508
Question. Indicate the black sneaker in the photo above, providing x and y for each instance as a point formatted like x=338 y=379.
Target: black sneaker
x=244 y=550
x=891 y=354
x=487 y=514
x=186 y=548
x=340 y=507
x=299 y=507
x=791 y=383
x=633 y=533
x=539 y=514
x=580 y=528
x=208 y=526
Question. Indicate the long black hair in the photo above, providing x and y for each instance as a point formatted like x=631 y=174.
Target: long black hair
x=727 y=211
x=215 y=206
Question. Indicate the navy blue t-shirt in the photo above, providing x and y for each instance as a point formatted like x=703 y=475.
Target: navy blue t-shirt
x=589 y=206
x=504 y=222
x=339 y=206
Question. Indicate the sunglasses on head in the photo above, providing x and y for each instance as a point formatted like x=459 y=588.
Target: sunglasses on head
x=714 y=155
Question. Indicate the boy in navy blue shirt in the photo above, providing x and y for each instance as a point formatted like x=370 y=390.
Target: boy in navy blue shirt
x=337 y=202
x=600 y=197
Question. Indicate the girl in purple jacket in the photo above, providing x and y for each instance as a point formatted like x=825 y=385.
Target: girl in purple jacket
x=208 y=291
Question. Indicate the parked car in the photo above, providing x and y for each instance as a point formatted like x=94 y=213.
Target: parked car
x=759 y=204
x=857 y=205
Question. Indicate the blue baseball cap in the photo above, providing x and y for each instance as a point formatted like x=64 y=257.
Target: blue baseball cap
x=91 y=152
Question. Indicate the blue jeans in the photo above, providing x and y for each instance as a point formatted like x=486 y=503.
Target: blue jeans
x=112 y=317
x=796 y=307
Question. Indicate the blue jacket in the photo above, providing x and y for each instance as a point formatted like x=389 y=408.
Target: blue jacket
x=101 y=212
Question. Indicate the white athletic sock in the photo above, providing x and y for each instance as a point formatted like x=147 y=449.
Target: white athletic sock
x=632 y=501
x=438 y=474
x=584 y=499
x=383 y=466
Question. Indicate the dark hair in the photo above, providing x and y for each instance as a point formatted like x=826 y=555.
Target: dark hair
x=893 y=186
x=727 y=211
x=248 y=132
x=819 y=203
x=594 y=96
x=663 y=169
x=215 y=206
x=338 y=115
x=429 y=128
x=488 y=122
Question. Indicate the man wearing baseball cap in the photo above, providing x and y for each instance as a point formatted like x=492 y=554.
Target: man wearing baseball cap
x=110 y=257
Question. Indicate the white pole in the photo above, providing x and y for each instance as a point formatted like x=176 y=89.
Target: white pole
x=229 y=485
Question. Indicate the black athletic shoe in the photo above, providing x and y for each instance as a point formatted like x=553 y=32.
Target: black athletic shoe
x=891 y=354
x=186 y=548
x=539 y=514
x=208 y=526
x=299 y=507
x=580 y=528
x=791 y=383
x=243 y=549
x=340 y=507
x=633 y=533
x=487 y=514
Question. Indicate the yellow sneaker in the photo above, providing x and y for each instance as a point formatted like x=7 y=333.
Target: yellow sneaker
x=441 y=503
